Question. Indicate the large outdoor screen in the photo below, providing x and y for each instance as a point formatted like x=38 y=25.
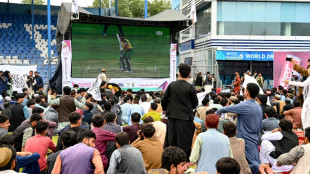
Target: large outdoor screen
x=124 y=51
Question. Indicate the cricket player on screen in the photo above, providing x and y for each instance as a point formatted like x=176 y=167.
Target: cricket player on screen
x=127 y=52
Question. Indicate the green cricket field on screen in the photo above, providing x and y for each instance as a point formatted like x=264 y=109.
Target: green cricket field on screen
x=124 y=51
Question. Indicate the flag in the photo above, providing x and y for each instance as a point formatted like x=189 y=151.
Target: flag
x=250 y=79
x=94 y=90
x=193 y=11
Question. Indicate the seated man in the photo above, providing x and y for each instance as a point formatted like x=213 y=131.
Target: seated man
x=80 y=158
x=111 y=126
x=75 y=123
x=201 y=111
x=150 y=147
x=227 y=166
x=126 y=159
x=7 y=160
x=68 y=140
x=237 y=146
x=25 y=131
x=160 y=129
x=285 y=139
x=51 y=125
x=4 y=124
x=299 y=155
x=294 y=115
x=210 y=146
x=152 y=113
x=102 y=137
x=25 y=160
x=134 y=128
x=173 y=161
x=40 y=144
x=270 y=123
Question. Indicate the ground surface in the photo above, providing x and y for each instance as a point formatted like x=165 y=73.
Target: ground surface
x=92 y=51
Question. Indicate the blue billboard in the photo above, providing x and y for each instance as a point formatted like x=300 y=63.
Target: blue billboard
x=244 y=55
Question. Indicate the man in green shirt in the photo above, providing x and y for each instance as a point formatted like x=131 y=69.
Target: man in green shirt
x=152 y=113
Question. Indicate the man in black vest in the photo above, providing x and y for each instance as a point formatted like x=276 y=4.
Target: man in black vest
x=25 y=131
x=285 y=140
x=17 y=112
x=179 y=101
x=39 y=81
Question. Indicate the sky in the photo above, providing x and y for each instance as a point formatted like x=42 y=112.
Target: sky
x=82 y=3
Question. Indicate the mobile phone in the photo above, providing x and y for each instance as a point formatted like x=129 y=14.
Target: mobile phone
x=289 y=59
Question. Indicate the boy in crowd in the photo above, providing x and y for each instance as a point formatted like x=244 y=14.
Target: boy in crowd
x=75 y=123
x=285 y=140
x=102 y=137
x=4 y=124
x=227 y=166
x=237 y=146
x=40 y=144
x=150 y=147
x=210 y=146
x=68 y=140
x=134 y=128
x=152 y=113
x=126 y=159
x=25 y=131
x=80 y=158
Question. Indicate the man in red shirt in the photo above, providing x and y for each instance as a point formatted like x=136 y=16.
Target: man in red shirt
x=102 y=136
x=40 y=143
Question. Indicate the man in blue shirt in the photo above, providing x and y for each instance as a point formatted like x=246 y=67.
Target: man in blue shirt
x=249 y=124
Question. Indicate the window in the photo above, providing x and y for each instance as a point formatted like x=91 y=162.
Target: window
x=263 y=18
x=203 y=24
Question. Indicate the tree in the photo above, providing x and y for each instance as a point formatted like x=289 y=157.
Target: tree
x=36 y=2
x=157 y=6
x=135 y=8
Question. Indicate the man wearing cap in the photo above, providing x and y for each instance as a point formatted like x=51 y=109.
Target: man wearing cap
x=7 y=160
x=39 y=81
x=103 y=76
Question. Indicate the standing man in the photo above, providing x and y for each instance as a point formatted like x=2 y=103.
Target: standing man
x=237 y=83
x=249 y=123
x=66 y=105
x=208 y=82
x=31 y=82
x=260 y=80
x=39 y=80
x=18 y=115
x=128 y=51
x=103 y=77
x=198 y=81
x=179 y=101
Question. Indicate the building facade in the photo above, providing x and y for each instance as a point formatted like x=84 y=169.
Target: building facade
x=234 y=36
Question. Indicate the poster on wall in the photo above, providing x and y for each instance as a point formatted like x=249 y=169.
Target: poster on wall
x=282 y=69
x=244 y=55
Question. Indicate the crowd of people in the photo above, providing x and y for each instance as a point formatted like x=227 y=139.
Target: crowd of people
x=168 y=132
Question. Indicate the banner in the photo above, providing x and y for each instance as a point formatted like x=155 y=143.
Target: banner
x=244 y=55
x=125 y=83
x=193 y=11
x=282 y=69
x=250 y=79
x=66 y=59
x=94 y=89
x=19 y=75
x=173 y=62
